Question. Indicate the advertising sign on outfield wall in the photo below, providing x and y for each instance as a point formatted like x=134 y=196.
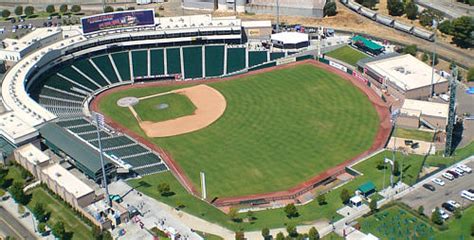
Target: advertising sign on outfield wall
x=285 y=60
x=104 y=21
x=338 y=66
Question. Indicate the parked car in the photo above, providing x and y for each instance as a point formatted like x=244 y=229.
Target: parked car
x=429 y=187
x=438 y=181
x=442 y=213
x=458 y=171
x=464 y=168
x=454 y=203
x=467 y=195
x=448 y=176
x=455 y=174
x=471 y=191
x=448 y=207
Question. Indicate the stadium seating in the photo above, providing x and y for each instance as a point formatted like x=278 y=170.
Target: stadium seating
x=140 y=63
x=214 y=60
x=235 y=59
x=72 y=74
x=173 y=60
x=157 y=62
x=192 y=60
x=104 y=64
x=122 y=63
x=257 y=57
x=87 y=68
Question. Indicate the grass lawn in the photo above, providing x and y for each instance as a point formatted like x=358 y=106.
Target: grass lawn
x=347 y=54
x=397 y=223
x=14 y=173
x=459 y=154
x=332 y=236
x=414 y=134
x=208 y=236
x=60 y=212
x=295 y=120
x=276 y=217
x=178 y=106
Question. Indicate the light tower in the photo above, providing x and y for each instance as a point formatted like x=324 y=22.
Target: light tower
x=452 y=111
x=99 y=120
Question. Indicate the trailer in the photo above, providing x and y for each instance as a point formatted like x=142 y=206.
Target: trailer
x=422 y=33
x=403 y=27
x=368 y=13
x=388 y=21
x=354 y=6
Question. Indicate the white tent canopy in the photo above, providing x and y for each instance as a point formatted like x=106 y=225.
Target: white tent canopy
x=290 y=37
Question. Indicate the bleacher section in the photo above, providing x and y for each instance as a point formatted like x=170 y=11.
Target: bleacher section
x=157 y=62
x=192 y=60
x=87 y=68
x=235 y=59
x=173 y=60
x=257 y=57
x=122 y=62
x=214 y=60
x=142 y=160
x=104 y=64
x=140 y=63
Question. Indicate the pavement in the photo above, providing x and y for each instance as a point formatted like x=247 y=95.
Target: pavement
x=421 y=196
x=449 y=7
x=10 y=226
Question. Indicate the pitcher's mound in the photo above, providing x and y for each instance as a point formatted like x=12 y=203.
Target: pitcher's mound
x=210 y=105
x=127 y=102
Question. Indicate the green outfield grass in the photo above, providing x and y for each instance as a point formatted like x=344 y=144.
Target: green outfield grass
x=347 y=54
x=178 y=106
x=279 y=129
x=414 y=134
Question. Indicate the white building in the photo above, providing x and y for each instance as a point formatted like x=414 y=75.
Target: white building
x=15 y=49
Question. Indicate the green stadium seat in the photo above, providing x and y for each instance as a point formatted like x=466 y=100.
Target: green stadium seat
x=192 y=62
x=123 y=64
x=140 y=63
x=214 y=60
x=103 y=62
x=75 y=76
x=235 y=59
x=86 y=67
x=157 y=62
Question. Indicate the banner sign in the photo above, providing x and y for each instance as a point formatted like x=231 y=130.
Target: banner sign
x=285 y=60
x=359 y=76
x=338 y=66
x=117 y=20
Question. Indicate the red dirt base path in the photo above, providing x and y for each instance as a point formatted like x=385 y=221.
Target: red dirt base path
x=379 y=142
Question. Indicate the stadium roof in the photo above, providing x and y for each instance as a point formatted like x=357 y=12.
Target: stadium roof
x=405 y=71
x=72 y=146
x=369 y=44
x=427 y=108
x=18 y=45
x=290 y=37
x=67 y=180
x=32 y=154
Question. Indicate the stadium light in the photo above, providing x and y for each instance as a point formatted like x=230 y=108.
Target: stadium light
x=99 y=121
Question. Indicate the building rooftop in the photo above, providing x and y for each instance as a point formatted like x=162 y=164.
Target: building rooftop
x=366 y=42
x=66 y=180
x=195 y=21
x=290 y=37
x=307 y=4
x=17 y=45
x=14 y=127
x=32 y=154
x=252 y=24
x=427 y=108
x=405 y=71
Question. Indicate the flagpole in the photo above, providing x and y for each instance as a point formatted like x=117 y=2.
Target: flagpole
x=99 y=120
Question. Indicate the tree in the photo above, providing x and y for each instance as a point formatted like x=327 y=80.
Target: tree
x=345 y=196
x=313 y=234
x=425 y=57
x=292 y=231
x=411 y=10
x=321 y=199
x=50 y=8
x=63 y=8
x=3 y=176
x=250 y=215
x=472 y=229
x=428 y=15
x=58 y=230
x=457 y=213
x=29 y=10
x=131 y=8
x=395 y=7
x=330 y=9
x=435 y=59
x=239 y=235
x=436 y=217
x=119 y=9
x=108 y=9
x=373 y=205
x=266 y=233
x=470 y=75
x=421 y=210
x=411 y=49
x=462 y=31
x=396 y=168
x=280 y=236
x=446 y=27
x=6 y=13
x=233 y=214
x=164 y=189
x=19 y=10
x=291 y=210
x=39 y=212
x=16 y=190
x=75 y=8
x=41 y=227
x=367 y=3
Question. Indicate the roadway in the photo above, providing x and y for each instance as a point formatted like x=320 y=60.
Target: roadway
x=10 y=226
x=451 y=8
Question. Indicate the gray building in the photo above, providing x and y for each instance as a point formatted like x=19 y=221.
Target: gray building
x=306 y=8
x=221 y=5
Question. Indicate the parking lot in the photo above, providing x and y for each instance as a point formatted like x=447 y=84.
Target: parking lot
x=450 y=191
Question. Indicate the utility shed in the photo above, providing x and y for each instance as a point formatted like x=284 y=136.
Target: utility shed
x=367 y=188
x=367 y=45
x=83 y=156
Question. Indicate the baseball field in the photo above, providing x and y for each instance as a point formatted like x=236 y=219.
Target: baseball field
x=279 y=128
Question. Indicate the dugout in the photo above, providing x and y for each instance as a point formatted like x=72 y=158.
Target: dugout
x=290 y=40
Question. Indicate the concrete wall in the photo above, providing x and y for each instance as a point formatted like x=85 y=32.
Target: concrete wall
x=424 y=92
x=438 y=122
x=408 y=122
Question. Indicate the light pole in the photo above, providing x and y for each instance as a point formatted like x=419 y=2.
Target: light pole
x=435 y=25
x=278 y=16
x=99 y=120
